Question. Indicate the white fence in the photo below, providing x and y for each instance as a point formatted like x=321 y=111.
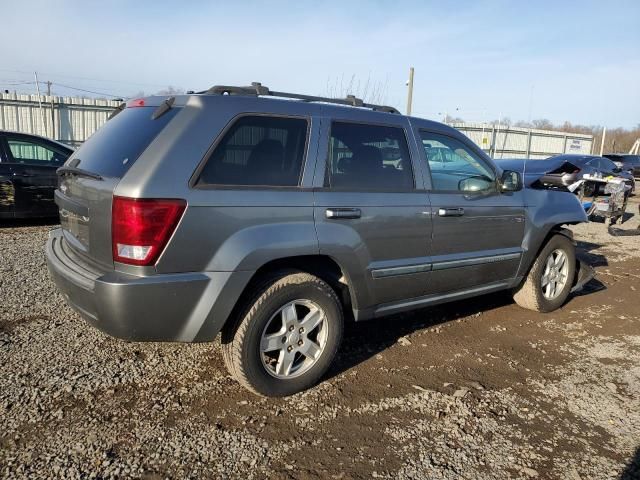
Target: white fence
x=513 y=142
x=73 y=120
x=66 y=119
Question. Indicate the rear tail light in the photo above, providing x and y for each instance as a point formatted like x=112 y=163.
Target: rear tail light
x=141 y=228
x=137 y=102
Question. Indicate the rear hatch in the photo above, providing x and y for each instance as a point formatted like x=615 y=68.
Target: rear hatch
x=89 y=177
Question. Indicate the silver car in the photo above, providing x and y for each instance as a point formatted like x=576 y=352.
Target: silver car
x=273 y=218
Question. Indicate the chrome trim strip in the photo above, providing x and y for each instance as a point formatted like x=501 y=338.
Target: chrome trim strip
x=392 y=271
x=427 y=267
x=475 y=261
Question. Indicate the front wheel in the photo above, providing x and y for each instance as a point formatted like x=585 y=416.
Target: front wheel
x=549 y=281
x=286 y=337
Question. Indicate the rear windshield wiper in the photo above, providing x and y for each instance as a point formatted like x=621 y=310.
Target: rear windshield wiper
x=78 y=171
x=117 y=110
x=163 y=108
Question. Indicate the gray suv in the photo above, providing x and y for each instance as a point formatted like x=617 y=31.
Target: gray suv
x=273 y=218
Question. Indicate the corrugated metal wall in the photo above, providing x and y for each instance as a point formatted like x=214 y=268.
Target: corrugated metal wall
x=73 y=120
x=513 y=142
x=66 y=119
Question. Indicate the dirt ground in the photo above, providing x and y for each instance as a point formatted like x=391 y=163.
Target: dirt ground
x=473 y=389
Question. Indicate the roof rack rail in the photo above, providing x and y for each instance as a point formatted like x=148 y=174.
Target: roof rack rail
x=257 y=89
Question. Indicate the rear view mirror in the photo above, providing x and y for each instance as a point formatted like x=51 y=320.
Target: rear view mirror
x=510 y=181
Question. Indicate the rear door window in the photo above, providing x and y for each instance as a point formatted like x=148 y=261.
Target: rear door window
x=35 y=152
x=607 y=165
x=116 y=146
x=369 y=157
x=258 y=150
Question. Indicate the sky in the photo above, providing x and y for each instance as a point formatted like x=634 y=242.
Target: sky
x=576 y=61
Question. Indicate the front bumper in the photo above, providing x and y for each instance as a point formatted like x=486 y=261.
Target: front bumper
x=183 y=307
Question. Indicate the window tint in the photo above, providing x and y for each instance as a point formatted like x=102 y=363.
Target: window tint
x=116 y=145
x=454 y=166
x=607 y=165
x=258 y=150
x=35 y=152
x=369 y=157
x=592 y=162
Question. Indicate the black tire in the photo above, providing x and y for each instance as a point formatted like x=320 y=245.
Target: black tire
x=241 y=338
x=530 y=295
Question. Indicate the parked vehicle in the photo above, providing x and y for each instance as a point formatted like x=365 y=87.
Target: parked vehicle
x=568 y=169
x=28 y=177
x=628 y=163
x=273 y=217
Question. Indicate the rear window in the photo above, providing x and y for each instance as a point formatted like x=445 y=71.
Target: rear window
x=116 y=146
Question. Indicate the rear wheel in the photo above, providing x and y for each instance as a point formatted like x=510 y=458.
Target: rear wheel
x=549 y=281
x=286 y=337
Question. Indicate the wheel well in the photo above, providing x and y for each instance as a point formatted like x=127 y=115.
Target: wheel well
x=322 y=266
x=558 y=229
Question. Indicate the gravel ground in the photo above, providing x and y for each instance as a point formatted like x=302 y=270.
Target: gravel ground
x=475 y=389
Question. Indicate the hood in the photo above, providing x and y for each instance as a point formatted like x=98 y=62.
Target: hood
x=546 y=173
x=541 y=167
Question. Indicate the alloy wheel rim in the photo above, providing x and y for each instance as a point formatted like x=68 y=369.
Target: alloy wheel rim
x=555 y=275
x=293 y=339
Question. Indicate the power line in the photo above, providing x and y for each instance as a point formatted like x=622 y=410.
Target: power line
x=83 y=90
x=49 y=74
x=17 y=82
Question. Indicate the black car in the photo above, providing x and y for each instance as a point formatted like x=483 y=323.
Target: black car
x=628 y=163
x=566 y=169
x=591 y=164
x=28 y=165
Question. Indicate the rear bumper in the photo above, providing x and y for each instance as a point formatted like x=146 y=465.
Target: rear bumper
x=187 y=307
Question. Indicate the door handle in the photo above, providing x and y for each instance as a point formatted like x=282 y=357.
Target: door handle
x=23 y=175
x=342 y=213
x=451 y=212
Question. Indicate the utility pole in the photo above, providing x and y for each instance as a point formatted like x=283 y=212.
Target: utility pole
x=48 y=88
x=44 y=123
x=604 y=134
x=410 y=91
x=495 y=141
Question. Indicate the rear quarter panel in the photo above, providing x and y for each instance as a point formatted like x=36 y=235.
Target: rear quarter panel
x=225 y=228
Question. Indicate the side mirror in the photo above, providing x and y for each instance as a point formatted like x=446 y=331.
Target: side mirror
x=510 y=181
x=617 y=169
x=476 y=184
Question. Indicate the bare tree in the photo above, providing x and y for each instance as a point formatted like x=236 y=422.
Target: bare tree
x=542 y=124
x=371 y=91
x=618 y=140
x=170 y=90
